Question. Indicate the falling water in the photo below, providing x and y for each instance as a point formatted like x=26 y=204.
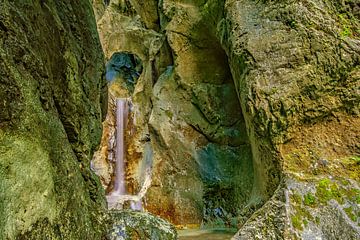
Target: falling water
x=122 y=110
x=119 y=194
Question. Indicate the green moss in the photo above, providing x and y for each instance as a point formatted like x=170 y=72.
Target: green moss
x=351 y=194
x=296 y=222
x=309 y=200
x=327 y=190
x=324 y=182
x=345 y=26
x=356 y=159
x=345 y=182
x=350 y=167
x=336 y=194
x=296 y=198
x=301 y=214
x=169 y=114
x=305 y=222
x=357 y=200
x=301 y=160
x=346 y=32
x=350 y=213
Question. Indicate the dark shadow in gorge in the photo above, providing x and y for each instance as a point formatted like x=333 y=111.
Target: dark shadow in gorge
x=126 y=67
x=225 y=163
x=239 y=167
x=265 y=158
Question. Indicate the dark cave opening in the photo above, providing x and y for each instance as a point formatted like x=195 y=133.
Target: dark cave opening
x=125 y=66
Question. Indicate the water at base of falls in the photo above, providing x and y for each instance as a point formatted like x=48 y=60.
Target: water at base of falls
x=136 y=205
x=207 y=234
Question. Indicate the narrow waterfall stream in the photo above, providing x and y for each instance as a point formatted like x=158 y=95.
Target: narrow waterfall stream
x=119 y=195
x=122 y=112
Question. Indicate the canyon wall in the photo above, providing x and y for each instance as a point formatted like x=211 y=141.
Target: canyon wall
x=52 y=100
x=251 y=108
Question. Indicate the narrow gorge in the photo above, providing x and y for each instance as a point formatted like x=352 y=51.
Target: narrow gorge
x=180 y=119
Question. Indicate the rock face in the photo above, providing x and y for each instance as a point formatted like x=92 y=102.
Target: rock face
x=139 y=225
x=252 y=108
x=52 y=100
x=190 y=111
x=297 y=77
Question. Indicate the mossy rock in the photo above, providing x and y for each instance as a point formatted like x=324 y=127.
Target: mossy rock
x=129 y=224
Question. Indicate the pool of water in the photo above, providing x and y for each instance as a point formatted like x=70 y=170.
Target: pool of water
x=206 y=234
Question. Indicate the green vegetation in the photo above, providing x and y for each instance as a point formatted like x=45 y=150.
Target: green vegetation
x=301 y=216
x=356 y=159
x=327 y=190
x=349 y=211
x=338 y=189
x=296 y=222
x=309 y=200
x=346 y=26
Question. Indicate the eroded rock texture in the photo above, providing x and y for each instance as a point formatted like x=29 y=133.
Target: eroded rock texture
x=140 y=225
x=51 y=94
x=296 y=68
x=186 y=101
x=252 y=108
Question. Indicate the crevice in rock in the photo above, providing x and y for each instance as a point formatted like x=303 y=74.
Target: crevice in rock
x=125 y=66
x=265 y=158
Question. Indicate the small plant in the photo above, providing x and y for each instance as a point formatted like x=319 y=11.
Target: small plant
x=296 y=222
x=356 y=159
x=346 y=29
x=327 y=190
x=350 y=213
x=309 y=200
x=346 y=32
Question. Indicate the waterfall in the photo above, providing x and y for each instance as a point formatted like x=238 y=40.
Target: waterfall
x=122 y=110
x=119 y=194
